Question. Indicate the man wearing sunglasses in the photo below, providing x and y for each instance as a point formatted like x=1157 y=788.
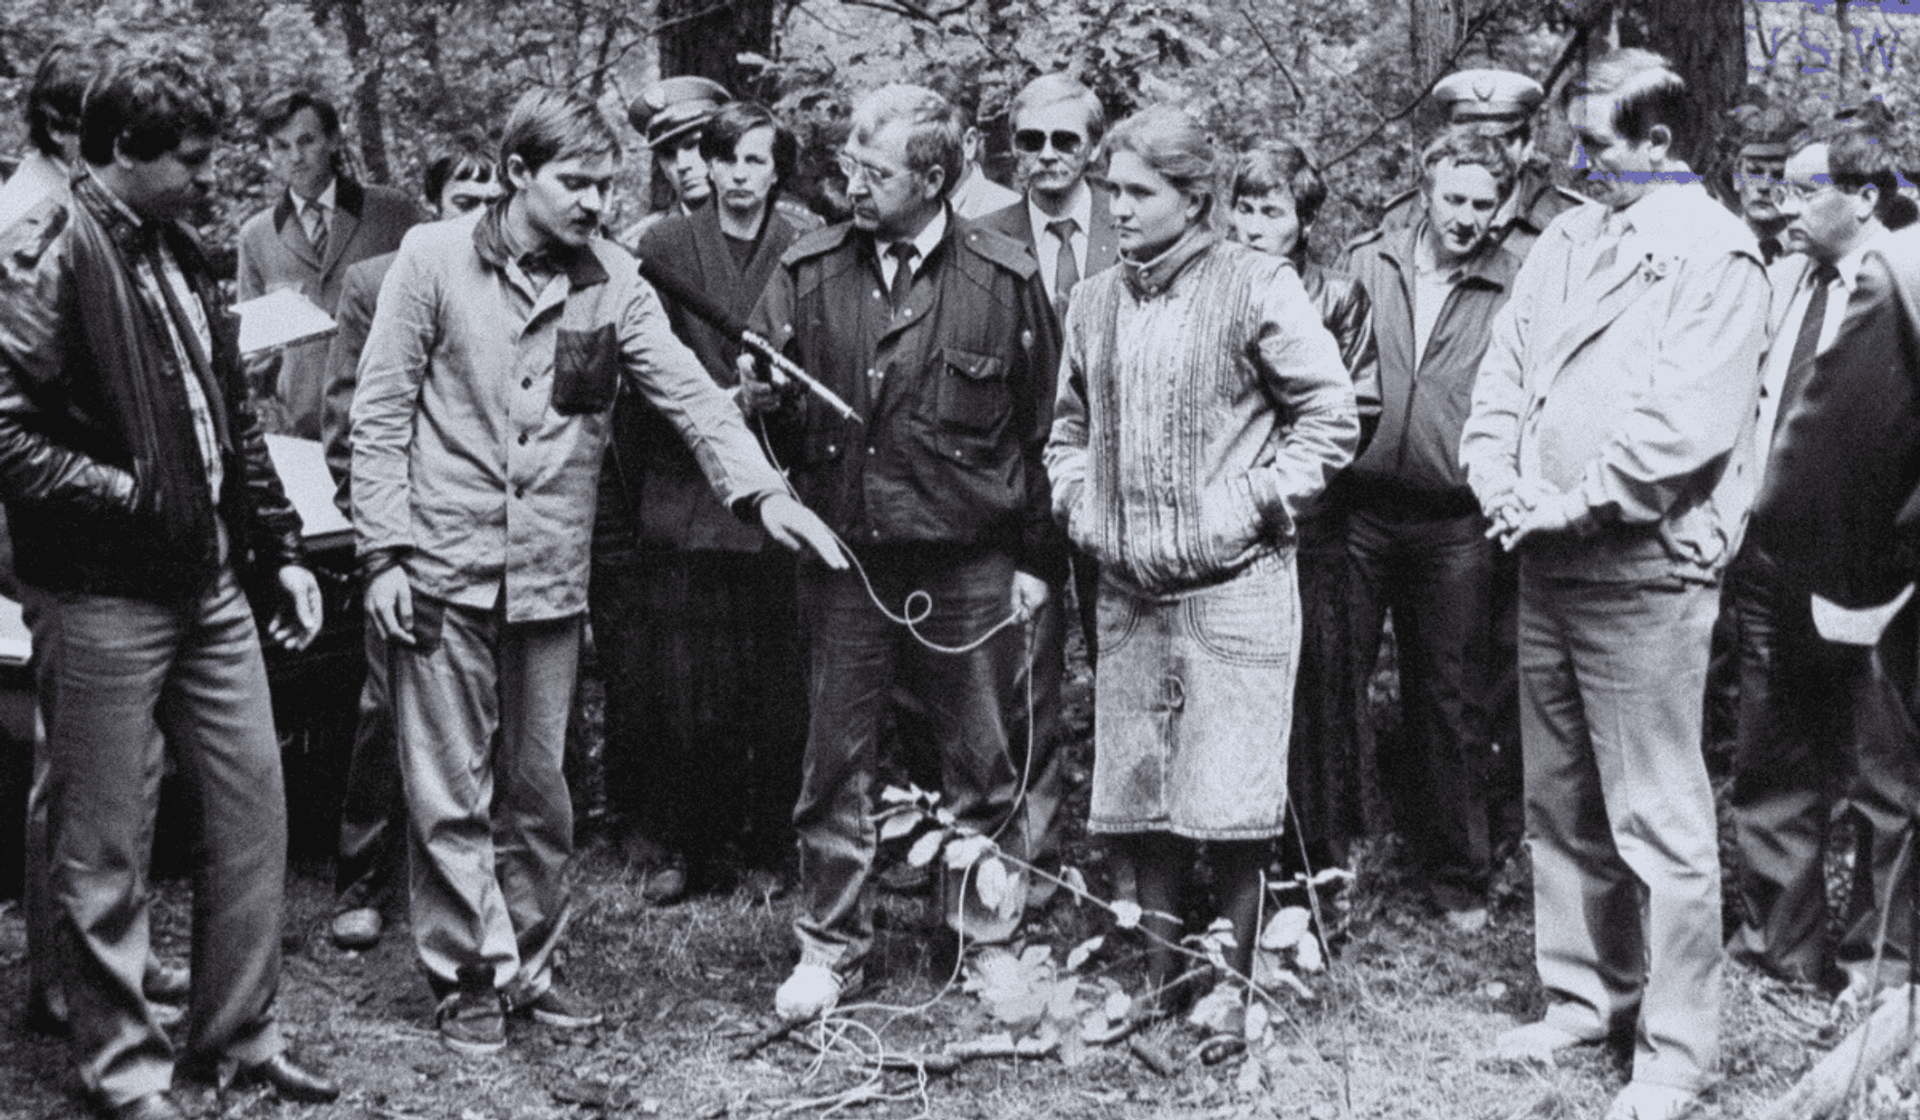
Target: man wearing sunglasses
x=1057 y=123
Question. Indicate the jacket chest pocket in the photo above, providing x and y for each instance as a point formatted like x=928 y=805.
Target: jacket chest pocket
x=973 y=396
x=586 y=370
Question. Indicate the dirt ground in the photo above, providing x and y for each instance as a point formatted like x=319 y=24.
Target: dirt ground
x=1397 y=1027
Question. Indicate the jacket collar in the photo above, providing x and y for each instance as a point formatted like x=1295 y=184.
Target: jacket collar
x=348 y=196
x=581 y=266
x=1147 y=279
x=1494 y=264
x=132 y=235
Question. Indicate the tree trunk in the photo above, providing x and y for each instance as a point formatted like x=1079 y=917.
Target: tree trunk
x=1843 y=52
x=368 y=117
x=1707 y=43
x=1436 y=27
x=706 y=37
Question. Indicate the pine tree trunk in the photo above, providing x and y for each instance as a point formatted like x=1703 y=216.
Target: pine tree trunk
x=706 y=37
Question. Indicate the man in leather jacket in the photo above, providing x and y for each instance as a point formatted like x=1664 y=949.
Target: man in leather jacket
x=140 y=489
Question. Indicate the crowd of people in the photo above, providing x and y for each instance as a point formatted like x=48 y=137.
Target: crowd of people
x=830 y=496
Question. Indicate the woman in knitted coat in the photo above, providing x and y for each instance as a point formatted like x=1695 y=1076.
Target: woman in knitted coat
x=1202 y=406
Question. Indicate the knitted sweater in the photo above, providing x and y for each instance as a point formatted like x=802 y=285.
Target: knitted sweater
x=1201 y=404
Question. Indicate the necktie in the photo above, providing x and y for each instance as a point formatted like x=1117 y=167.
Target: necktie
x=903 y=253
x=1066 y=269
x=315 y=217
x=1806 y=344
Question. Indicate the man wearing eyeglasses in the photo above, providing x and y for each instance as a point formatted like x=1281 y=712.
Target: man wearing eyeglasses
x=939 y=335
x=1798 y=743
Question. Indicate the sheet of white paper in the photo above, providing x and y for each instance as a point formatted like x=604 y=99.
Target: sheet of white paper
x=1862 y=627
x=302 y=466
x=280 y=319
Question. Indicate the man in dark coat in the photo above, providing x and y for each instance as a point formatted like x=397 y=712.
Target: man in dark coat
x=693 y=614
x=939 y=335
x=1416 y=541
x=140 y=491
x=1839 y=512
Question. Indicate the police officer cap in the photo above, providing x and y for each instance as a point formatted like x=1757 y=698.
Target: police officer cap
x=1496 y=97
x=673 y=107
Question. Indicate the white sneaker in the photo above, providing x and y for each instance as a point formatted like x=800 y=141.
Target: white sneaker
x=810 y=992
x=1642 y=1100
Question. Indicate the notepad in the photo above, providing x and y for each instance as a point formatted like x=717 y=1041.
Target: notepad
x=278 y=320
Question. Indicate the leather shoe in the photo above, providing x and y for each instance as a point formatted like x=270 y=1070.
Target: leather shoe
x=153 y=1106
x=292 y=1081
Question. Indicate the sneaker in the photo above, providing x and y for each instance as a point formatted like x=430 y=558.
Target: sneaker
x=470 y=1020
x=357 y=929
x=561 y=1010
x=1642 y=1100
x=1538 y=1043
x=666 y=886
x=812 y=991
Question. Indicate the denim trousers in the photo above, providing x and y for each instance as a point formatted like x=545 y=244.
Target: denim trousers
x=481 y=708
x=121 y=682
x=857 y=657
x=1620 y=816
x=1436 y=576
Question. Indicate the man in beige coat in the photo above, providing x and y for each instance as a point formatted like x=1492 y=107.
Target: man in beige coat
x=1610 y=443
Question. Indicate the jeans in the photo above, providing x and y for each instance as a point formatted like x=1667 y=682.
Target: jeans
x=857 y=657
x=120 y=681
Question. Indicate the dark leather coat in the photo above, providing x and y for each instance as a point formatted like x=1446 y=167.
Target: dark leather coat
x=99 y=468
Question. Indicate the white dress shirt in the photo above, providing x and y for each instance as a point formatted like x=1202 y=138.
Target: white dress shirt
x=1047 y=246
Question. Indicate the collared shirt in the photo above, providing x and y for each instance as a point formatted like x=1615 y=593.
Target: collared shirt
x=924 y=243
x=204 y=432
x=1431 y=284
x=1047 y=246
x=1780 y=356
x=319 y=209
x=977 y=196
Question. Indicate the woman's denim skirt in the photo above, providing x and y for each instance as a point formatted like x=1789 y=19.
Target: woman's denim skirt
x=1193 y=703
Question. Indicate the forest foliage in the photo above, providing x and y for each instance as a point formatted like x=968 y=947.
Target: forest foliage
x=1346 y=78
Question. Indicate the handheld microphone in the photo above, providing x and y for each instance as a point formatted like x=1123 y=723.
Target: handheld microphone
x=704 y=308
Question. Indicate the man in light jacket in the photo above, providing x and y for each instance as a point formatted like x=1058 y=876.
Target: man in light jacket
x=1612 y=421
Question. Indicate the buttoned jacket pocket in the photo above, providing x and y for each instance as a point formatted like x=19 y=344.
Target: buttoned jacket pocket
x=973 y=396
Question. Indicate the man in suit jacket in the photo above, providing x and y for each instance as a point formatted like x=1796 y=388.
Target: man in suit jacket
x=693 y=614
x=1794 y=746
x=1611 y=420
x=1064 y=222
x=371 y=848
x=1836 y=513
x=323 y=222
